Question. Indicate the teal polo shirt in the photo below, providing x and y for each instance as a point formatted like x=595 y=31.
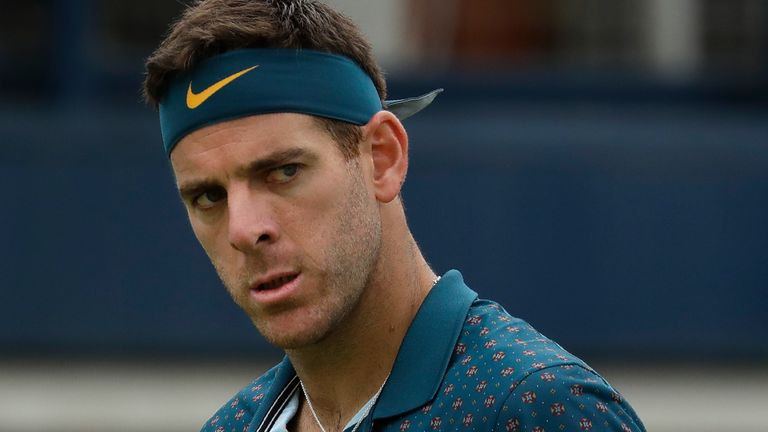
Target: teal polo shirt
x=465 y=364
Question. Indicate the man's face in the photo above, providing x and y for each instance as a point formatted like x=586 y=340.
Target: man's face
x=292 y=228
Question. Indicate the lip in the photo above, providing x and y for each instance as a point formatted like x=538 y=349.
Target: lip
x=276 y=295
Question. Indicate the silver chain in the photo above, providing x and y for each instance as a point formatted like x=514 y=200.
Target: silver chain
x=362 y=417
x=369 y=405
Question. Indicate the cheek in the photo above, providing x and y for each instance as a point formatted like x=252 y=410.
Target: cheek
x=322 y=215
x=346 y=224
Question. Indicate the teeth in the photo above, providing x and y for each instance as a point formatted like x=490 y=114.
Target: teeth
x=274 y=283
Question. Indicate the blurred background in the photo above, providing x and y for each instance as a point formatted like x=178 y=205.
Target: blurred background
x=599 y=167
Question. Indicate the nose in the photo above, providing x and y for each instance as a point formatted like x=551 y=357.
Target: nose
x=252 y=221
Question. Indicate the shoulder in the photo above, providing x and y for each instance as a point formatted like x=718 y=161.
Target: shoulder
x=238 y=412
x=497 y=342
x=568 y=397
x=522 y=379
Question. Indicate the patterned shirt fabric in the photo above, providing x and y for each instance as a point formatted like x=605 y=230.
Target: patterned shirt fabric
x=465 y=364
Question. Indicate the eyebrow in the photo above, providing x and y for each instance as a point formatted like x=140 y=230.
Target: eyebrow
x=271 y=161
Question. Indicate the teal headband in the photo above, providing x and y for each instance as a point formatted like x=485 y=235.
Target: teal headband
x=259 y=81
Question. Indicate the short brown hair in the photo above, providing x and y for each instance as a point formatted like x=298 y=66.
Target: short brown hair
x=211 y=27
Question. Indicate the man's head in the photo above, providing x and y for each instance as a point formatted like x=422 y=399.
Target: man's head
x=295 y=227
x=212 y=27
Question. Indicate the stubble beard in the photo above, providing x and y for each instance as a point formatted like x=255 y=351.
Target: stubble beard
x=347 y=269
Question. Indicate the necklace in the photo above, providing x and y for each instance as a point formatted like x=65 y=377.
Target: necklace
x=369 y=404
x=368 y=407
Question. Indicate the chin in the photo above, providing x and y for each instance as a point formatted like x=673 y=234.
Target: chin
x=290 y=339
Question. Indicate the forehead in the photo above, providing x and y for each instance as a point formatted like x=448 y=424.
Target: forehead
x=249 y=138
x=264 y=128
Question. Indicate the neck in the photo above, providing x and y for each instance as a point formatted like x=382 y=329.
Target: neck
x=348 y=367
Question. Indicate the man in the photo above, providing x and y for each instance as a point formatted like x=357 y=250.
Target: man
x=290 y=163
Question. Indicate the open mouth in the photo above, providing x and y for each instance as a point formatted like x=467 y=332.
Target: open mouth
x=276 y=282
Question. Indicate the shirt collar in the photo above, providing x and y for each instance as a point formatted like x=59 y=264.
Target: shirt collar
x=427 y=347
x=421 y=361
x=283 y=384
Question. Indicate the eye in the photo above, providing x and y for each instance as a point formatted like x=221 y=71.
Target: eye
x=283 y=174
x=209 y=198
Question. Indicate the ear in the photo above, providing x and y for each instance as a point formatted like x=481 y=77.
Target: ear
x=388 y=143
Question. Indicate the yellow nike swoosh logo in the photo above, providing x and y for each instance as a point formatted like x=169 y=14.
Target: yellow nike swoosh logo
x=194 y=100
